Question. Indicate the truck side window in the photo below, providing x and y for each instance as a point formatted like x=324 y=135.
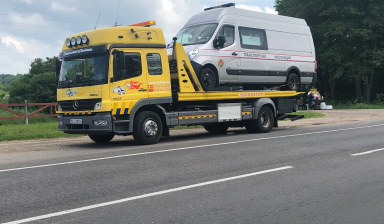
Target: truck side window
x=229 y=33
x=132 y=65
x=252 y=38
x=154 y=64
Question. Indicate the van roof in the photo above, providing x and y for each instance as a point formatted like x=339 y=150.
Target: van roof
x=215 y=15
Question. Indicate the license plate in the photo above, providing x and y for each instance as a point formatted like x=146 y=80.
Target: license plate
x=76 y=121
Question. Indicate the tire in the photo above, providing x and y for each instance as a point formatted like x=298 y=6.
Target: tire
x=293 y=82
x=208 y=79
x=263 y=123
x=101 y=138
x=147 y=128
x=216 y=127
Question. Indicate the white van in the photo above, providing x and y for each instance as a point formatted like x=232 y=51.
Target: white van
x=234 y=46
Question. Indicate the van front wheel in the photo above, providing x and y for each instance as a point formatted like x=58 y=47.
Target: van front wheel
x=208 y=79
x=293 y=82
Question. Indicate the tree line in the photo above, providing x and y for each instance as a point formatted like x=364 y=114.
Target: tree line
x=349 y=41
x=37 y=86
x=348 y=37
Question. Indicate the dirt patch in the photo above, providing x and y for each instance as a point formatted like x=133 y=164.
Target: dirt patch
x=336 y=116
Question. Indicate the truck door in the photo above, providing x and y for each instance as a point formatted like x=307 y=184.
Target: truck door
x=131 y=88
x=228 y=57
x=159 y=81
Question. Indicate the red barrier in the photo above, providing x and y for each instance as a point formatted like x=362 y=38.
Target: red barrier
x=31 y=115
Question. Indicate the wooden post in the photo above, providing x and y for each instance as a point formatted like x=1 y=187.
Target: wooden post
x=26 y=111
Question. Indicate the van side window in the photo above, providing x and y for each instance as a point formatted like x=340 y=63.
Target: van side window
x=253 y=38
x=132 y=65
x=154 y=64
x=229 y=33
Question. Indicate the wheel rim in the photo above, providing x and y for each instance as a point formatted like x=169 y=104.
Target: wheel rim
x=150 y=128
x=292 y=83
x=265 y=119
x=209 y=80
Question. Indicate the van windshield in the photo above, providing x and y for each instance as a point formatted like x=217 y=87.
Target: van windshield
x=199 y=34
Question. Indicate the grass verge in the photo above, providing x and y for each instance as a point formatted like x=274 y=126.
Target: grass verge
x=31 y=131
x=358 y=106
x=308 y=114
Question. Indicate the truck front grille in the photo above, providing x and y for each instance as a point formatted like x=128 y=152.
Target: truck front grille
x=80 y=105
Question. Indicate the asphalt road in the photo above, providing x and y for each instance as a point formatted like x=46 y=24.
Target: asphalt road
x=296 y=175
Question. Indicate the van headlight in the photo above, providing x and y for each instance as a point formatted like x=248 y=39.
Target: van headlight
x=59 y=108
x=191 y=55
x=97 y=106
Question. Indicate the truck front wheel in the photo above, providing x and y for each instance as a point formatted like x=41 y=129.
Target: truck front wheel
x=101 y=138
x=263 y=123
x=147 y=128
x=216 y=127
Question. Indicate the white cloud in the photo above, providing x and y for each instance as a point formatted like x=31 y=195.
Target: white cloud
x=270 y=11
x=19 y=45
x=59 y=7
x=249 y=7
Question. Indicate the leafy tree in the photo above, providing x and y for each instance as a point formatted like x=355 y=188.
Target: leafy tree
x=39 y=86
x=2 y=93
x=39 y=66
x=349 y=41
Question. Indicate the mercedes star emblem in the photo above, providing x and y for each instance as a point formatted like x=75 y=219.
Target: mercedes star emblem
x=75 y=105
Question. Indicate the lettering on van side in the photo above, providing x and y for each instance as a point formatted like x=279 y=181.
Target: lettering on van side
x=283 y=57
x=255 y=55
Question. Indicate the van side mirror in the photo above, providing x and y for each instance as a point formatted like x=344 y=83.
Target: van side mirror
x=120 y=71
x=58 y=68
x=219 y=42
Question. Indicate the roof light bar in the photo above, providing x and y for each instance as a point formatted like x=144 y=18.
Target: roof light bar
x=221 y=6
x=145 y=24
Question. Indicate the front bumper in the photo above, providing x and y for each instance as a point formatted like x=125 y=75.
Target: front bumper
x=87 y=126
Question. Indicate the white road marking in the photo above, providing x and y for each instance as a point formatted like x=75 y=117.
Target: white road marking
x=184 y=148
x=144 y=196
x=367 y=152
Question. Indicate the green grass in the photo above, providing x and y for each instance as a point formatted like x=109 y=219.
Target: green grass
x=358 y=106
x=186 y=127
x=308 y=114
x=31 y=131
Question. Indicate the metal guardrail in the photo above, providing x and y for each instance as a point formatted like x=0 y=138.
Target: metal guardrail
x=26 y=115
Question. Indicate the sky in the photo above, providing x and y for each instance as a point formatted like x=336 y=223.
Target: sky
x=32 y=29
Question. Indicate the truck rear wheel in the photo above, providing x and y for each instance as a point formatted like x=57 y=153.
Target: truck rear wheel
x=147 y=128
x=263 y=123
x=101 y=138
x=216 y=127
x=208 y=79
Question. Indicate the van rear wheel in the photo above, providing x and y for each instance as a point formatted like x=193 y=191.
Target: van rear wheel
x=208 y=79
x=293 y=82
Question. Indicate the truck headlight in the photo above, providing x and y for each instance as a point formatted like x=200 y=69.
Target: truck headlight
x=61 y=123
x=100 y=122
x=97 y=106
x=59 y=108
x=191 y=55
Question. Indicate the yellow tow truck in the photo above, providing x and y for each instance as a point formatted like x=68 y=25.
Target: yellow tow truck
x=121 y=81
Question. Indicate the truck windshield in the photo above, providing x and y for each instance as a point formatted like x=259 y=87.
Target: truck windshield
x=85 y=70
x=199 y=34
